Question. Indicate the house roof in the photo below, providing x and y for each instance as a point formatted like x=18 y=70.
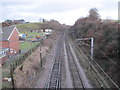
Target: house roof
x=6 y=32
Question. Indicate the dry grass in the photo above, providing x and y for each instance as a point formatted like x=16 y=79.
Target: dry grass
x=26 y=77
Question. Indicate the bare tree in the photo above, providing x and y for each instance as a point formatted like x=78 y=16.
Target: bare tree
x=93 y=13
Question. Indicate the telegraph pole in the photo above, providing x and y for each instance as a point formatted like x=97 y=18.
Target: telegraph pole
x=40 y=56
x=92 y=48
x=31 y=46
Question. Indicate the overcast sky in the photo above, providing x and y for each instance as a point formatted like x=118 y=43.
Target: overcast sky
x=64 y=11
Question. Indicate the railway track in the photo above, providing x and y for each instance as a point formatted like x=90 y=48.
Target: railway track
x=54 y=79
x=97 y=72
x=55 y=72
x=77 y=77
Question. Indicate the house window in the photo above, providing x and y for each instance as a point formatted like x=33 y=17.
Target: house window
x=11 y=50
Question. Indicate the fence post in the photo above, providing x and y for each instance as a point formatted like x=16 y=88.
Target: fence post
x=13 y=66
x=11 y=75
x=16 y=63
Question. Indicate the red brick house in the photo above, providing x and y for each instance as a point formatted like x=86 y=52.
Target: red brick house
x=9 y=42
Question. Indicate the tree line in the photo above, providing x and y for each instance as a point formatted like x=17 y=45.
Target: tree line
x=105 y=34
x=12 y=22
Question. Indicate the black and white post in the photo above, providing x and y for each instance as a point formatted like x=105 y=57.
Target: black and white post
x=92 y=44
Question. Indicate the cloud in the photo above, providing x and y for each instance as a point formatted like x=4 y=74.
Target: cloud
x=65 y=11
x=109 y=14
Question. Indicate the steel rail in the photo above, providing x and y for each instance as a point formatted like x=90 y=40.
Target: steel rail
x=54 y=75
x=103 y=72
x=75 y=73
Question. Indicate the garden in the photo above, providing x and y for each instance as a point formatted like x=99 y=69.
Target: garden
x=27 y=46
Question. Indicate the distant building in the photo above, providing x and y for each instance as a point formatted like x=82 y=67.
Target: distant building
x=48 y=30
x=9 y=42
x=21 y=21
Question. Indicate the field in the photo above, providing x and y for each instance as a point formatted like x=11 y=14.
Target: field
x=29 y=26
x=26 y=29
x=25 y=45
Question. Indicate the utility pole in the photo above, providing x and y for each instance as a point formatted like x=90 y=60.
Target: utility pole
x=92 y=45
x=31 y=46
x=40 y=56
x=92 y=48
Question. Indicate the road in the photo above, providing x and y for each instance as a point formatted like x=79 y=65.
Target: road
x=65 y=70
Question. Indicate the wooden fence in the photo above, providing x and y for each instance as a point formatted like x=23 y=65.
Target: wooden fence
x=20 y=61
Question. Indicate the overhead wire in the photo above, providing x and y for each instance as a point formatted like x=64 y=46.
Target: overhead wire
x=106 y=57
x=102 y=69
